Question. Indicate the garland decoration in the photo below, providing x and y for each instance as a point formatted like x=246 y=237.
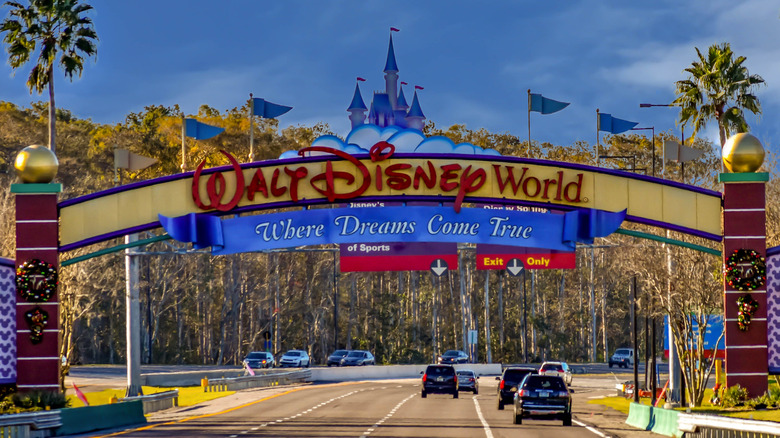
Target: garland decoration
x=36 y=280
x=747 y=306
x=745 y=270
x=37 y=319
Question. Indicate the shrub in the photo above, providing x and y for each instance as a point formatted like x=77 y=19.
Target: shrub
x=33 y=401
x=734 y=396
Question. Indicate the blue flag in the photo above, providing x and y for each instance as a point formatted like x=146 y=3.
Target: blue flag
x=268 y=110
x=200 y=131
x=543 y=105
x=614 y=125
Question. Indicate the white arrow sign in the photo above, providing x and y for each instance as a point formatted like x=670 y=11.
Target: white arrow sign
x=438 y=267
x=515 y=267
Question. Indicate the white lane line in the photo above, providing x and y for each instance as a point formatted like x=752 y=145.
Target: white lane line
x=485 y=425
x=594 y=430
x=368 y=431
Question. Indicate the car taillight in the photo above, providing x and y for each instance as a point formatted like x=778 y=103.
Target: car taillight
x=522 y=393
x=425 y=377
x=456 y=380
x=471 y=379
x=501 y=385
x=563 y=394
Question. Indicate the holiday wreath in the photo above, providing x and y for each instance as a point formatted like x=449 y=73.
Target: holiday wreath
x=745 y=270
x=747 y=307
x=36 y=280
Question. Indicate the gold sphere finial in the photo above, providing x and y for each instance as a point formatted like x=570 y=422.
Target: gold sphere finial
x=36 y=164
x=743 y=153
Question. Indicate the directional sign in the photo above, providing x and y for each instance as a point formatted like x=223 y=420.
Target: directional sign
x=472 y=337
x=515 y=267
x=439 y=267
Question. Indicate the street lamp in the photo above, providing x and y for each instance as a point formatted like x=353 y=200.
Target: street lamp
x=652 y=128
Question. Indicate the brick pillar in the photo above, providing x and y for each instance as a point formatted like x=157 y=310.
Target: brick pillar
x=37 y=237
x=744 y=227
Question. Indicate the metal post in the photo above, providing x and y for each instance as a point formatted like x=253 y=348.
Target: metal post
x=634 y=341
x=525 y=326
x=133 y=324
x=488 y=353
x=653 y=376
x=335 y=305
x=593 y=305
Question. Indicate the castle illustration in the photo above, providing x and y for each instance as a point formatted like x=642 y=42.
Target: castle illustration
x=388 y=107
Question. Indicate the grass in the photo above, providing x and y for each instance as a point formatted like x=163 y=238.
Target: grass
x=622 y=404
x=188 y=396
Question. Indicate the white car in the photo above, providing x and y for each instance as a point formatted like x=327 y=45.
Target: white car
x=560 y=369
x=295 y=358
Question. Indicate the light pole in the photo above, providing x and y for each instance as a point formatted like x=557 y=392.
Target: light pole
x=682 y=135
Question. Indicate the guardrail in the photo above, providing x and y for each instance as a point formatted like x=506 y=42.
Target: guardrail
x=713 y=426
x=246 y=382
x=156 y=402
x=29 y=425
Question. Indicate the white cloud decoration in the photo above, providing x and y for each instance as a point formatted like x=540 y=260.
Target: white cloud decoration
x=406 y=141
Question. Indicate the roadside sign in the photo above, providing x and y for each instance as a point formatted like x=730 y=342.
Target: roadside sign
x=439 y=267
x=515 y=267
x=472 y=337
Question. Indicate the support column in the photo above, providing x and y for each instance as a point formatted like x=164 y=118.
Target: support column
x=744 y=227
x=37 y=237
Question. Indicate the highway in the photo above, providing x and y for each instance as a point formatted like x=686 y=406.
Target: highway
x=388 y=408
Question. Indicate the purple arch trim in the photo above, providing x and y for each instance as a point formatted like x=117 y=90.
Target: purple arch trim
x=7 y=262
x=773 y=251
x=401 y=198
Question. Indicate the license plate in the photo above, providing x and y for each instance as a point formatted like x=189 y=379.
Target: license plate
x=440 y=379
x=544 y=393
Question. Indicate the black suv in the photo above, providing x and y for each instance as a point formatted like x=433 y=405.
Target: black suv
x=543 y=397
x=440 y=379
x=509 y=381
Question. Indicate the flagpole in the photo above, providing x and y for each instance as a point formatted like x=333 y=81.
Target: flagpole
x=251 y=128
x=183 y=152
x=597 y=137
x=529 y=121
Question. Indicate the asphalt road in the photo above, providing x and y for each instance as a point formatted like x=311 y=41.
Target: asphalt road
x=389 y=408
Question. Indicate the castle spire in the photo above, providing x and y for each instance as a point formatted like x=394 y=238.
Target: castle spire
x=391 y=74
x=357 y=108
x=415 y=119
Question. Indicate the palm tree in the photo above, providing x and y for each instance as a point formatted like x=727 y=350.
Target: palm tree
x=52 y=27
x=715 y=82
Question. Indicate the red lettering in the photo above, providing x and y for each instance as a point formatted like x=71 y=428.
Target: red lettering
x=275 y=189
x=429 y=179
x=295 y=176
x=257 y=185
x=577 y=185
x=526 y=184
x=449 y=172
x=216 y=187
x=330 y=176
x=378 y=177
x=510 y=178
x=396 y=179
x=560 y=186
x=469 y=182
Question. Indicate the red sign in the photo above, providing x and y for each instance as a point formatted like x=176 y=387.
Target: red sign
x=496 y=257
x=396 y=256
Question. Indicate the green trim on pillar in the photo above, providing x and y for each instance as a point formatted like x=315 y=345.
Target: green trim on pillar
x=743 y=177
x=648 y=236
x=35 y=188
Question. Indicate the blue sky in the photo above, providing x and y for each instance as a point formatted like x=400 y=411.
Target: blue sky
x=475 y=59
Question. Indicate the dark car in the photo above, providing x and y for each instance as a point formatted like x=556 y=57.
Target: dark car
x=440 y=379
x=259 y=359
x=509 y=380
x=467 y=381
x=336 y=356
x=454 y=356
x=358 y=358
x=543 y=397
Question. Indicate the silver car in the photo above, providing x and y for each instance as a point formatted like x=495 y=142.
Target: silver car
x=295 y=358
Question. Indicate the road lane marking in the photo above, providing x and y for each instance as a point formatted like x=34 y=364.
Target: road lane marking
x=485 y=425
x=368 y=431
x=592 y=429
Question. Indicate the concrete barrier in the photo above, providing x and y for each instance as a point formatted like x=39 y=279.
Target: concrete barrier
x=342 y=374
x=89 y=418
x=186 y=378
x=660 y=421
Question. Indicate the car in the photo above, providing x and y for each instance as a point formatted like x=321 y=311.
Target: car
x=295 y=358
x=560 y=369
x=543 y=397
x=259 y=359
x=358 y=358
x=623 y=358
x=467 y=381
x=439 y=379
x=510 y=378
x=335 y=357
x=454 y=356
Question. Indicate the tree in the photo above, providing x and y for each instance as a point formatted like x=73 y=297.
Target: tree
x=50 y=27
x=716 y=81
